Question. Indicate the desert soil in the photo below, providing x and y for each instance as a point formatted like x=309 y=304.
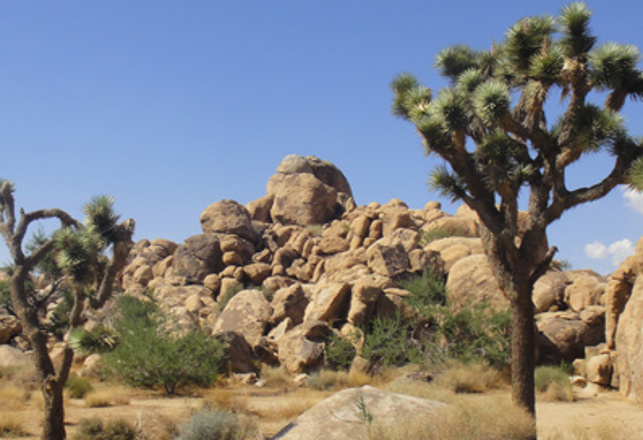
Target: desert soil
x=148 y=411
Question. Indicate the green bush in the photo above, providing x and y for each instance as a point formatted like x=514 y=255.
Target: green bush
x=95 y=429
x=152 y=353
x=390 y=342
x=77 y=386
x=218 y=425
x=476 y=333
x=339 y=353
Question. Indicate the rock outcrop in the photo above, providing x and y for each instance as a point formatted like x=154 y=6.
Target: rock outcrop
x=344 y=414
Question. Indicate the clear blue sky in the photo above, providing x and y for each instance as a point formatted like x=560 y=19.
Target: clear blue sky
x=170 y=106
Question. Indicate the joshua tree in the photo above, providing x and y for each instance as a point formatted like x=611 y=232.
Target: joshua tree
x=72 y=256
x=491 y=129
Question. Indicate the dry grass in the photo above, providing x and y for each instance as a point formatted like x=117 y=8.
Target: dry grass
x=429 y=391
x=603 y=429
x=13 y=398
x=11 y=425
x=107 y=397
x=553 y=385
x=338 y=380
x=156 y=427
x=481 y=418
x=277 y=378
x=469 y=378
x=291 y=405
x=226 y=399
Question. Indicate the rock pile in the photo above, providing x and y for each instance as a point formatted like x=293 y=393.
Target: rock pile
x=277 y=276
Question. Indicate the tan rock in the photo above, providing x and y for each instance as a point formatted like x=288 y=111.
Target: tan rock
x=564 y=336
x=302 y=348
x=471 y=281
x=342 y=420
x=289 y=302
x=365 y=294
x=161 y=268
x=257 y=272
x=229 y=217
x=247 y=313
x=212 y=282
x=360 y=226
x=584 y=291
x=302 y=199
x=387 y=260
x=549 y=291
x=329 y=302
x=259 y=209
x=599 y=369
x=629 y=345
x=10 y=327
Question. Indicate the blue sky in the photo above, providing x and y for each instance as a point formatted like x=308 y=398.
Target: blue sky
x=170 y=106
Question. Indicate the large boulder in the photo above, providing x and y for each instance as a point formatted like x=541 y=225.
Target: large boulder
x=302 y=199
x=346 y=414
x=453 y=249
x=228 y=217
x=247 y=314
x=200 y=256
x=549 y=291
x=330 y=175
x=289 y=302
x=564 y=335
x=629 y=345
x=471 y=281
x=302 y=348
x=330 y=302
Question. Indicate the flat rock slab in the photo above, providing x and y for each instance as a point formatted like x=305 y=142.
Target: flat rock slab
x=344 y=415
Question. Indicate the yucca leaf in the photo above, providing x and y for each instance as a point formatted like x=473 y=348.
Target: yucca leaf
x=577 y=37
x=491 y=101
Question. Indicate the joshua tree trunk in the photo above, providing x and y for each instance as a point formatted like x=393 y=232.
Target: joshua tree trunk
x=523 y=348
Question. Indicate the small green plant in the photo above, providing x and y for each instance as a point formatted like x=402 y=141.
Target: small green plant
x=152 y=353
x=218 y=425
x=339 y=353
x=553 y=383
x=363 y=413
x=100 y=339
x=95 y=429
x=77 y=386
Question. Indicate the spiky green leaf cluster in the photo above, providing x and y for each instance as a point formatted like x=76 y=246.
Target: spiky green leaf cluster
x=101 y=218
x=547 y=66
x=454 y=60
x=635 y=175
x=491 y=101
x=595 y=127
x=76 y=253
x=48 y=264
x=526 y=38
x=447 y=183
x=577 y=38
x=614 y=65
x=451 y=109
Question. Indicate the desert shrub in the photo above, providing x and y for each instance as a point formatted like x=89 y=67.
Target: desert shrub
x=225 y=399
x=11 y=425
x=106 y=397
x=13 y=397
x=339 y=352
x=553 y=383
x=218 y=425
x=328 y=380
x=469 y=378
x=481 y=419
x=77 y=386
x=152 y=353
x=100 y=339
x=95 y=429
x=389 y=343
x=476 y=333
x=276 y=377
